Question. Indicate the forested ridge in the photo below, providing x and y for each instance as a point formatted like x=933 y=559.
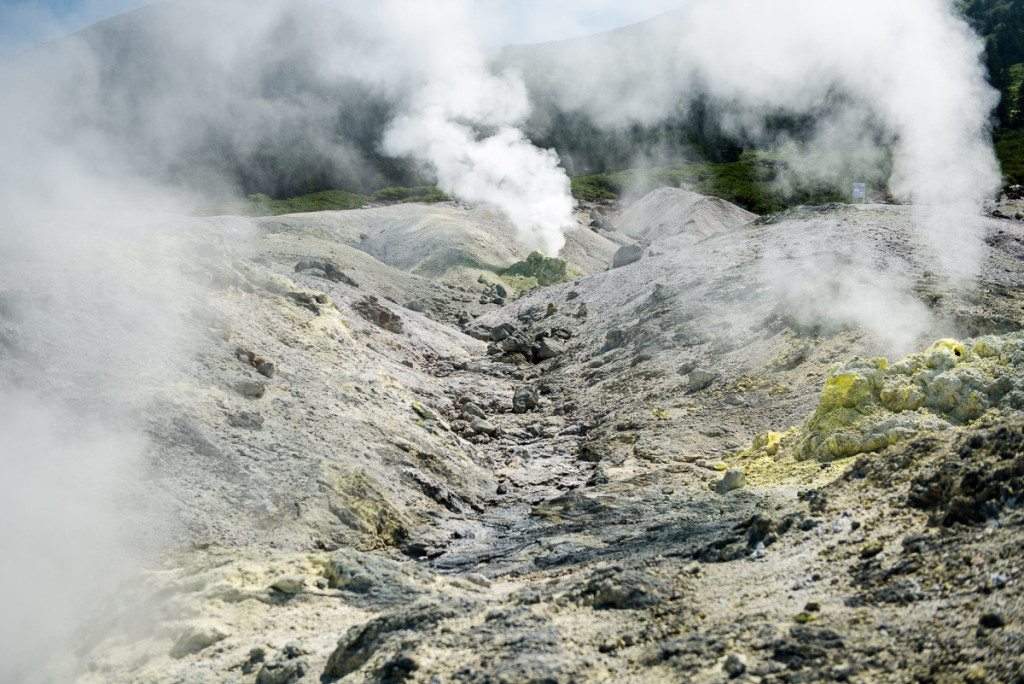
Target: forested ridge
x=1001 y=24
x=329 y=135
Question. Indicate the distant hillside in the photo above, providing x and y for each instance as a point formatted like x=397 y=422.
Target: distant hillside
x=207 y=95
x=1001 y=24
x=244 y=99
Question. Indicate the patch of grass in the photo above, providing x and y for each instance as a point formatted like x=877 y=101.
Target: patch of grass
x=538 y=269
x=263 y=205
x=426 y=194
x=327 y=200
x=593 y=188
x=749 y=182
x=1010 y=150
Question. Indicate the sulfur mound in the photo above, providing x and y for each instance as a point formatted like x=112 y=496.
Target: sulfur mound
x=866 y=405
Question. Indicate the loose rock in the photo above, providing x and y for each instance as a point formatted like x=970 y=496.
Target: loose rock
x=627 y=254
x=549 y=348
x=250 y=389
x=483 y=427
x=701 y=379
x=526 y=397
x=734 y=478
x=290 y=584
x=196 y=638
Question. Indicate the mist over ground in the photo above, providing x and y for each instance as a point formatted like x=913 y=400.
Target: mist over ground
x=101 y=148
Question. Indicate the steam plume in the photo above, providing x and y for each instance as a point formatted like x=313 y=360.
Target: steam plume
x=463 y=121
x=83 y=291
x=908 y=74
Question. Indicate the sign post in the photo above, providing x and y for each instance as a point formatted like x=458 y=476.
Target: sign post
x=860 y=191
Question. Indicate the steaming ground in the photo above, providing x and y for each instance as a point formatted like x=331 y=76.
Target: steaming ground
x=352 y=426
x=379 y=487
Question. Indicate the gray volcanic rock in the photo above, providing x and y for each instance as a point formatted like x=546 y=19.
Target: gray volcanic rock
x=701 y=379
x=525 y=398
x=626 y=255
x=674 y=213
x=734 y=478
x=405 y=507
x=549 y=348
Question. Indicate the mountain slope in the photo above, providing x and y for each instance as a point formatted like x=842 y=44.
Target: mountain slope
x=391 y=503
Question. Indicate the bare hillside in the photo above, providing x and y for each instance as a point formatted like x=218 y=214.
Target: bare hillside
x=386 y=458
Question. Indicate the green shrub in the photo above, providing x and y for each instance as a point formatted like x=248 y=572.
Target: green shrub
x=593 y=188
x=543 y=270
x=1010 y=150
x=327 y=200
x=426 y=194
x=750 y=182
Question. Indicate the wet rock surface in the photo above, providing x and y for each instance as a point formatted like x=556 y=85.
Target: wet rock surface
x=474 y=491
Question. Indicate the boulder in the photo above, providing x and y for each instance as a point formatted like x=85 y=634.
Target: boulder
x=517 y=344
x=337 y=275
x=627 y=254
x=250 y=389
x=289 y=584
x=734 y=478
x=526 y=397
x=379 y=315
x=197 y=637
x=286 y=669
x=471 y=411
x=701 y=379
x=502 y=332
x=548 y=348
x=310 y=265
x=483 y=427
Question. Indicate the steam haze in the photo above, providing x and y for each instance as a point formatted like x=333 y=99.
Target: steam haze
x=463 y=121
x=100 y=152
x=909 y=76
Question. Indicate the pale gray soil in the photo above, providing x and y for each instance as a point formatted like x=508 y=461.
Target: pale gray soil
x=351 y=496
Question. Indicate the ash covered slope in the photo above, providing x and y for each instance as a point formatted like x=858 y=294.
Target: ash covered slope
x=317 y=413
x=475 y=529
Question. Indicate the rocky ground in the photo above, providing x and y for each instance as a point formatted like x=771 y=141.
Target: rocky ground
x=393 y=454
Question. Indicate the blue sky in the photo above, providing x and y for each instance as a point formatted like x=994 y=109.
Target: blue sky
x=25 y=22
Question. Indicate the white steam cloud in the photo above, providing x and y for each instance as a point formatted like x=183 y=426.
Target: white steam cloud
x=912 y=69
x=89 y=297
x=464 y=121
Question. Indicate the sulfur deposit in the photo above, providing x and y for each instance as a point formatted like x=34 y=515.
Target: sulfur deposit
x=422 y=472
x=867 y=405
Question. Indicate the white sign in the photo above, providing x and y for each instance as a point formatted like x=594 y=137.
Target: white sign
x=860 y=190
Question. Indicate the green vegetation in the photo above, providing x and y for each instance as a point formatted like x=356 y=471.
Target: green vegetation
x=751 y=182
x=1010 y=150
x=536 y=270
x=261 y=205
x=427 y=194
x=328 y=200
x=1001 y=24
x=595 y=187
x=707 y=157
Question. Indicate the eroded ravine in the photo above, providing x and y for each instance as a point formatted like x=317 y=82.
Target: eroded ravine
x=351 y=517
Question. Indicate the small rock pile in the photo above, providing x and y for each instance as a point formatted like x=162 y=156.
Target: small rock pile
x=325 y=269
x=513 y=345
x=378 y=314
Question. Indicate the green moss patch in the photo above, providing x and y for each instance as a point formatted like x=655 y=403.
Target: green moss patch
x=538 y=270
